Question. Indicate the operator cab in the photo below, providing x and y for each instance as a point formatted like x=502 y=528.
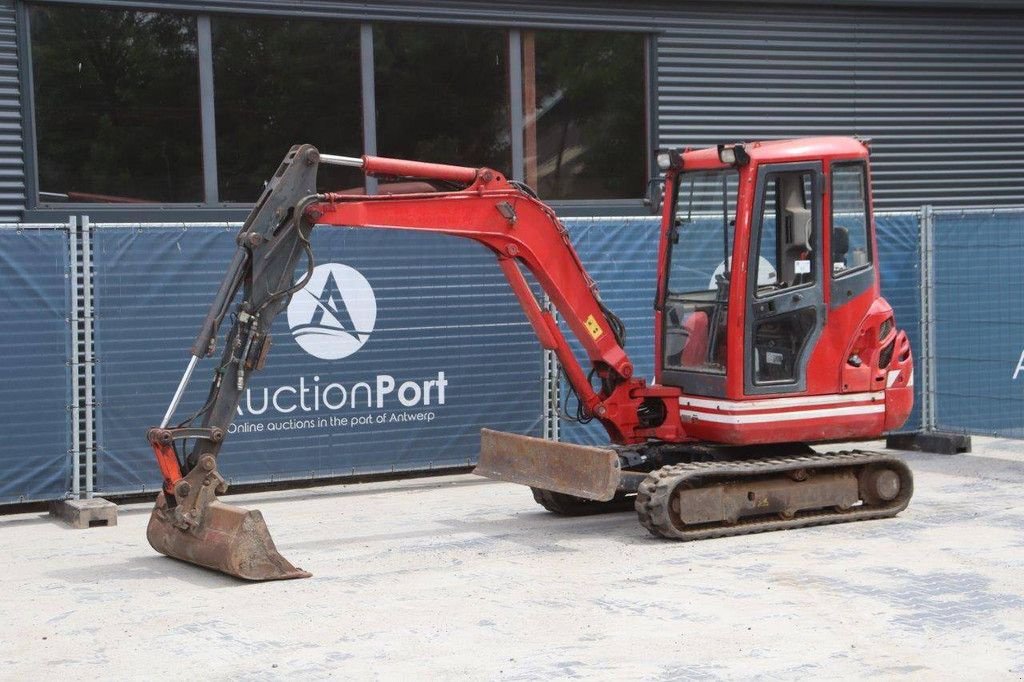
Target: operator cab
x=768 y=272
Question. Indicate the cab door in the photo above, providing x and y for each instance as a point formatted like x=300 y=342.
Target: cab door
x=854 y=278
x=786 y=310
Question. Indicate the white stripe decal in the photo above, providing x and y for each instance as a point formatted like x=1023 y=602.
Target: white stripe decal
x=778 y=403
x=893 y=376
x=780 y=416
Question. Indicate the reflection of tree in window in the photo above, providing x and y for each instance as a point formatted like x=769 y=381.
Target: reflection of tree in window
x=442 y=94
x=116 y=105
x=279 y=83
x=584 y=114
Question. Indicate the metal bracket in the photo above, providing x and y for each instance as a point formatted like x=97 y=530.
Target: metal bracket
x=165 y=436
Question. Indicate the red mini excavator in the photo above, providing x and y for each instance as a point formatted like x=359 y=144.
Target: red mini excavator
x=787 y=343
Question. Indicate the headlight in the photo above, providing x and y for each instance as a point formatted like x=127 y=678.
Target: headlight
x=668 y=159
x=733 y=154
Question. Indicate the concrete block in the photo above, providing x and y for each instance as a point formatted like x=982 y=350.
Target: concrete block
x=939 y=442
x=85 y=513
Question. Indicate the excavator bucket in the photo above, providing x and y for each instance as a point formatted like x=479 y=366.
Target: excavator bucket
x=579 y=470
x=227 y=538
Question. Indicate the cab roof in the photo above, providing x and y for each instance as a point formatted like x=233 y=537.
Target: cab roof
x=782 y=151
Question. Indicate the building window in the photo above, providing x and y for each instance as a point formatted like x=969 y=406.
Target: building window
x=584 y=123
x=278 y=83
x=442 y=94
x=116 y=105
x=850 y=246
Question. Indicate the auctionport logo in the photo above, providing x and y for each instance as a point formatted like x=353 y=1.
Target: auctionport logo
x=334 y=314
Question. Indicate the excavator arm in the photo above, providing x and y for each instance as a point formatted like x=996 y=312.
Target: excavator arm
x=189 y=522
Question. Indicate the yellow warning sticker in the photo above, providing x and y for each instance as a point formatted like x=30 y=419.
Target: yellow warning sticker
x=593 y=327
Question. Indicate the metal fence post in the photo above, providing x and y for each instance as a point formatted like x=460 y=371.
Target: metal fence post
x=928 y=394
x=82 y=357
x=554 y=392
x=88 y=356
x=545 y=395
x=550 y=387
x=73 y=360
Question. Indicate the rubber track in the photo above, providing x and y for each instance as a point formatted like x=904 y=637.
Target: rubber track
x=654 y=496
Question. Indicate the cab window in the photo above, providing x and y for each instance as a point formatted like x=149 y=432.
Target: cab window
x=851 y=249
x=786 y=251
x=700 y=271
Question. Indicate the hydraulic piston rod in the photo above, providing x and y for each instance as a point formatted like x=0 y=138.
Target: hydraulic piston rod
x=335 y=160
x=179 y=391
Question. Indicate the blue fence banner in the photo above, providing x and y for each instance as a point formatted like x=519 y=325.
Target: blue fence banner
x=622 y=256
x=898 y=236
x=35 y=350
x=394 y=355
x=978 y=266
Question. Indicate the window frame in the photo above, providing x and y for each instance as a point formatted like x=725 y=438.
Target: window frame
x=215 y=210
x=215 y=178
x=815 y=198
x=869 y=232
x=34 y=207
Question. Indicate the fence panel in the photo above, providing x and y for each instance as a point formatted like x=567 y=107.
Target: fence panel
x=978 y=266
x=622 y=256
x=443 y=314
x=899 y=258
x=35 y=350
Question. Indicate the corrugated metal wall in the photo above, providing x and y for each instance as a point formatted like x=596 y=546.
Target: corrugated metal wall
x=941 y=94
x=939 y=89
x=12 y=166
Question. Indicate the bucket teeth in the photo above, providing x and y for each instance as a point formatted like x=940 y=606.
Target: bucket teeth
x=227 y=538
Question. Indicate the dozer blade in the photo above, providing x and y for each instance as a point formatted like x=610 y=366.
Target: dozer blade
x=227 y=538
x=580 y=470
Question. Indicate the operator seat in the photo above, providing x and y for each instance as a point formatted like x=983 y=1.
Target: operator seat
x=695 y=352
x=686 y=341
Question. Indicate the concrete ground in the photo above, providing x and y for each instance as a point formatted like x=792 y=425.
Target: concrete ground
x=458 y=577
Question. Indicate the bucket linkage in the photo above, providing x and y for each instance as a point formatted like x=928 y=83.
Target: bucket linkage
x=189 y=522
